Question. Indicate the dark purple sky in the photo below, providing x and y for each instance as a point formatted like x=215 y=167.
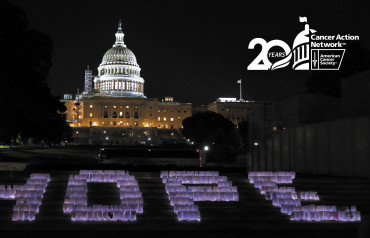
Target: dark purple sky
x=192 y=50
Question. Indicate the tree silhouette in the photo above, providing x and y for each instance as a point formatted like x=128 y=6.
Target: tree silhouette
x=244 y=131
x=210 y=128
x=27 y=108
x=206 y=127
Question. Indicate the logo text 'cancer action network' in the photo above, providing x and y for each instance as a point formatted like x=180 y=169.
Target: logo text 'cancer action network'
x=310 y=51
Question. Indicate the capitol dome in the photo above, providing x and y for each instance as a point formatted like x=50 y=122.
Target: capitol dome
x=119 y=55
x=119 y=72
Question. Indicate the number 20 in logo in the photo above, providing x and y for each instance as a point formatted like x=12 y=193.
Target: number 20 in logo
x=282 y=53
x=263 y=55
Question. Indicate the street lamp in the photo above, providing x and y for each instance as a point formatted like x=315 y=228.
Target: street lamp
x=76 y=137
x=203 y=156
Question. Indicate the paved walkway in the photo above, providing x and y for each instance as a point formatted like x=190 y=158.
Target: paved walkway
x=12 y=166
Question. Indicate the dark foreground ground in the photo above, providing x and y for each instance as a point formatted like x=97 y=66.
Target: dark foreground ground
x=252 y=216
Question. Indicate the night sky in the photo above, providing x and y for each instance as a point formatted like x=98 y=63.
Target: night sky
x=192 y=50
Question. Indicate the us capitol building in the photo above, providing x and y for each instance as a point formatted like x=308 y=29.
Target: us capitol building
x=113 y=108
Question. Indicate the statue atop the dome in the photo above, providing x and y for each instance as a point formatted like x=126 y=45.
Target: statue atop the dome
x=119 y=26
x=119 y=35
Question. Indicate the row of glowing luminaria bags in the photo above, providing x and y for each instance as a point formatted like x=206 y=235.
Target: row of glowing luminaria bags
x=75 y=202
x=28 y=196
x=200 y=186
x=290 y=201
